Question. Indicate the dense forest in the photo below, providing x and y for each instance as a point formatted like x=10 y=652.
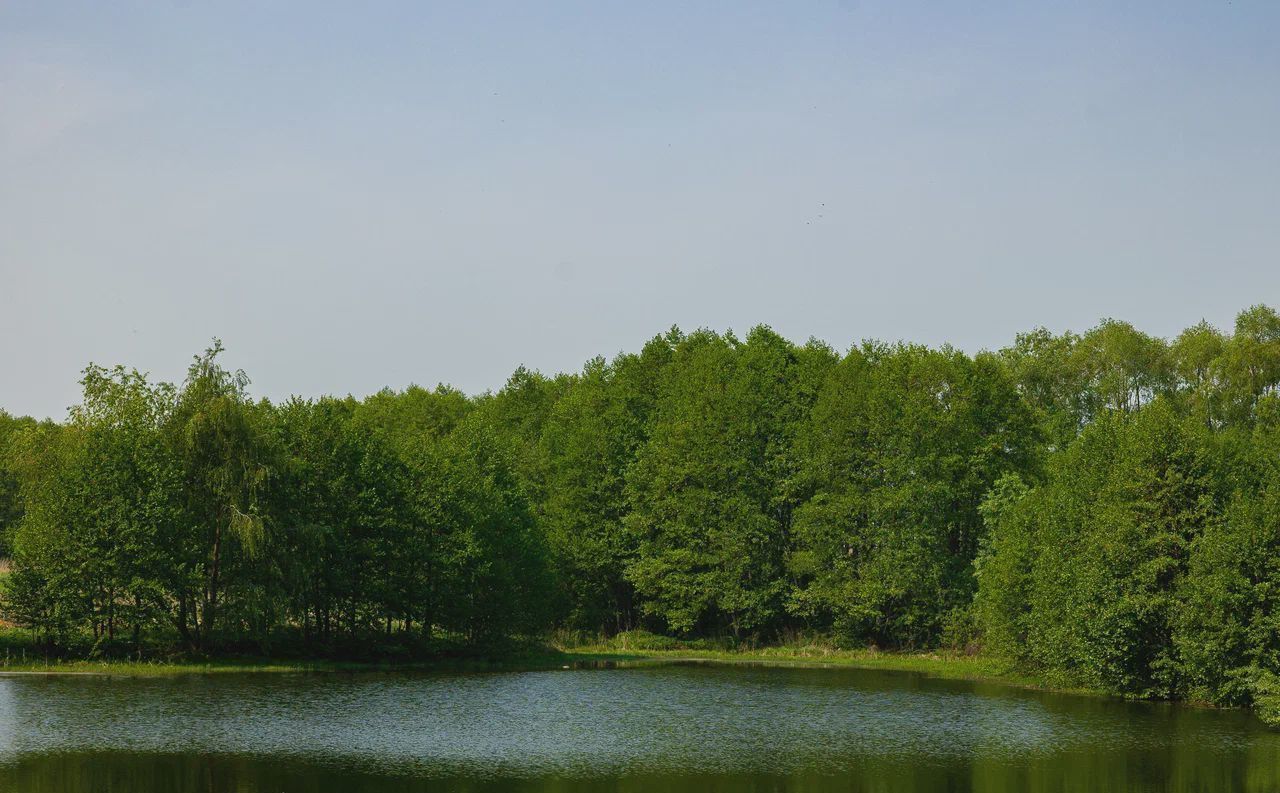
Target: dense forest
x=1103 y=508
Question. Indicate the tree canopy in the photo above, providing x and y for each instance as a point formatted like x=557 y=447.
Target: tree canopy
x=1103 y=507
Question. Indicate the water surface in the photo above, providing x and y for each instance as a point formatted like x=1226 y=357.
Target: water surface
x=679 y=727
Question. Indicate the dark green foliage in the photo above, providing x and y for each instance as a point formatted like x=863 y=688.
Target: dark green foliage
x=708 y=496
x=495 y=560
x=197 y=513
x=10 y=502
x=1144 y=561
x=901 y=447
x=1229 y=631
x=1101 y=507
x=103 y=503
x=1097 y=555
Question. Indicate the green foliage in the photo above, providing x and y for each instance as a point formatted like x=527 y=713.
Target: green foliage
x=707 y=492
x=1266 y=697
x=1230 y=627
x=589 y=441
x=1003 y=566
x=11 y=505
x=1100 y=508
x=1145 y=561
x=496 y=559
x=197 y=512
x=102 y=497
x=1099 y=552
x=900 y=448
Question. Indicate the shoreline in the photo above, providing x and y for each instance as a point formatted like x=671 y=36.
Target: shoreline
x=938 y=665
x=947 y=666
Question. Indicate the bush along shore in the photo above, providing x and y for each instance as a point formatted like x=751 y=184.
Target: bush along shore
x=1101 y=509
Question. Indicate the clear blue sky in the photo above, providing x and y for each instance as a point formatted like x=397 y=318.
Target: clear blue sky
x=366 y=194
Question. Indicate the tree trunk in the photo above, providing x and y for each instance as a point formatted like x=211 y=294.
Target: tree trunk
x=183 y=629
x=137 y=623
x=211 y=591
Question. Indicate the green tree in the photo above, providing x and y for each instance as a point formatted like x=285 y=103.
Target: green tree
x=104 y=495
x=708 y=501
x=1100 y=552
x=494 y=569
x=1227 y=635
x=1197 y=360
x=10 y=500
x=1124 y=367
x=1251 y=363
x=1050 y=376
x=222 y=439
x=902 y=445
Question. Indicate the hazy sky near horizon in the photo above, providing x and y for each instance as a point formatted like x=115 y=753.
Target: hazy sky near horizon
x=359 y=195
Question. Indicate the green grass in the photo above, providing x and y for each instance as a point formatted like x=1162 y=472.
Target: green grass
x=951 y=665
x=518 y=657
x=20 y=656
x=550 y=659
x=936 y=665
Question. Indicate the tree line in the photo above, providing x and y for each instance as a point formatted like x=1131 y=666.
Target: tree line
x=1102 y=507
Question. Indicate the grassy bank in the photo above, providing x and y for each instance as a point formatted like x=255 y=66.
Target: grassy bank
x=946 y=664
x=941 y=665
x=562 y=651
x=155 y=663
x=155 y=667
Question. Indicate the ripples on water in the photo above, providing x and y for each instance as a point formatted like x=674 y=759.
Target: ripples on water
x=689 y=725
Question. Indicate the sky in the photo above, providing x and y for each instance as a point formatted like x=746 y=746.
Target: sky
x=361 y=195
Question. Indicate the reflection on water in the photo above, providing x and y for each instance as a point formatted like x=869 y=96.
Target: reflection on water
x=669 y=727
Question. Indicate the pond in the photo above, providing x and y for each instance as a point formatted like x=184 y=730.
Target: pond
x=678 y=727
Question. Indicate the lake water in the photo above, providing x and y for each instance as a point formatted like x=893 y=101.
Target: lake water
x=679 y=727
